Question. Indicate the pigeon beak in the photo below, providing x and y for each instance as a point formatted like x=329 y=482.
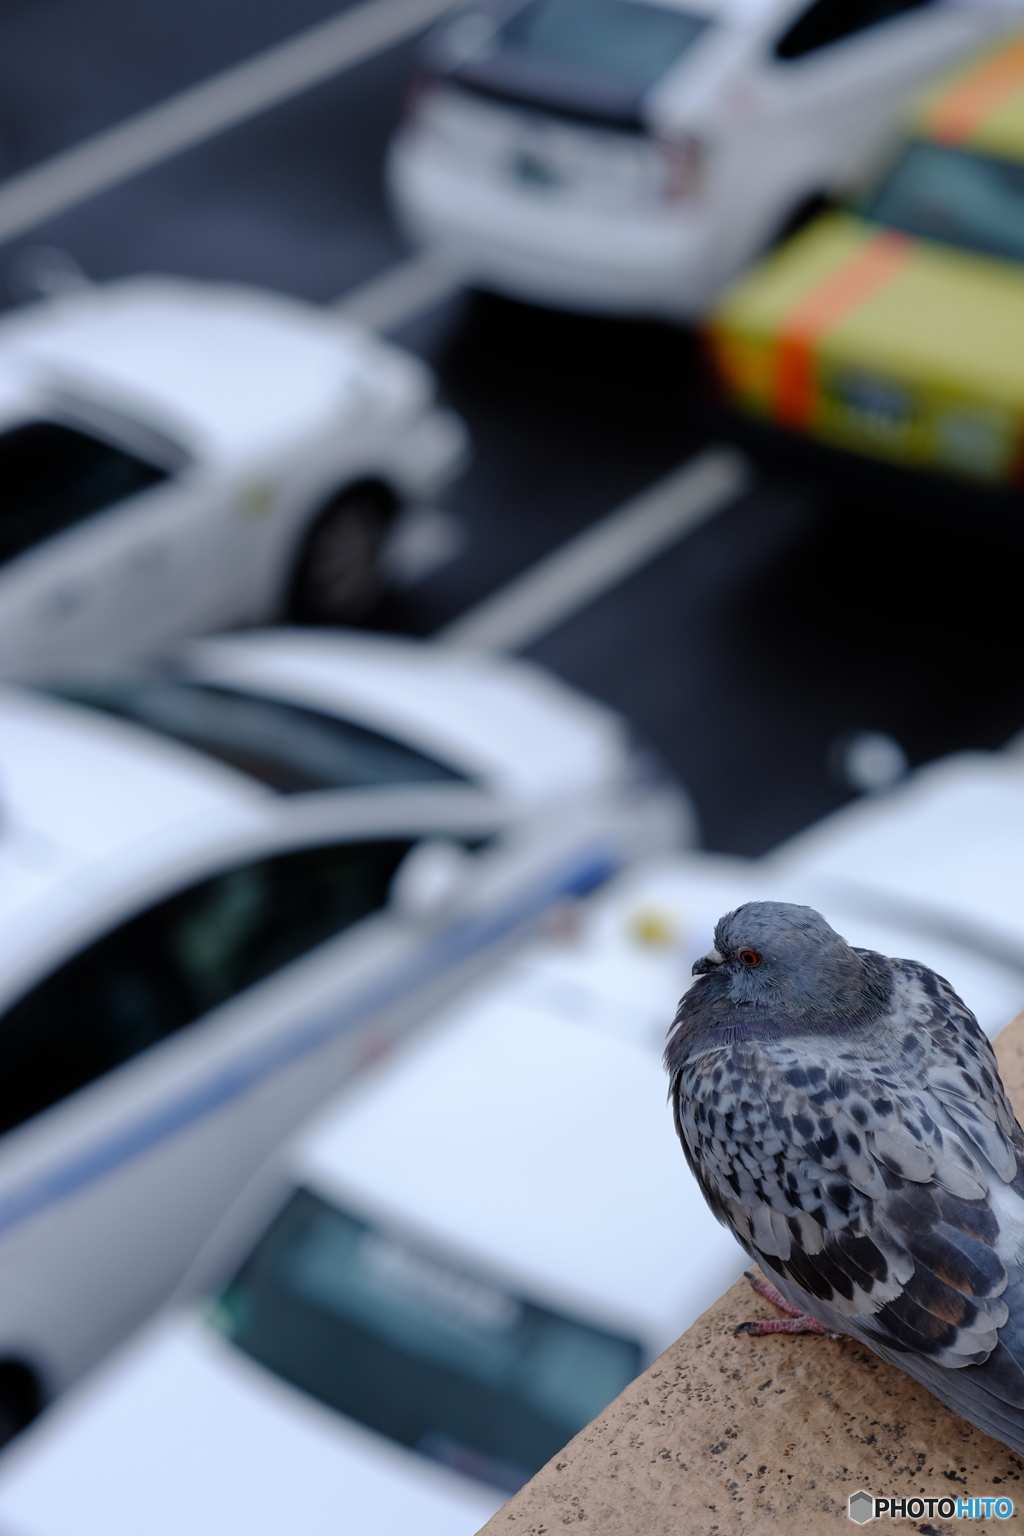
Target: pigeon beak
x=707 y=963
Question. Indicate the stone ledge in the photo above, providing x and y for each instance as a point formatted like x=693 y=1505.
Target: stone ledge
x=726 y=1435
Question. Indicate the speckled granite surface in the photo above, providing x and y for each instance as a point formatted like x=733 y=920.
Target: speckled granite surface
x=730 y=1435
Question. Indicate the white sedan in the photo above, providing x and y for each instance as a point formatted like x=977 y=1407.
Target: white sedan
x=177 y=457
x=223 y=885
x=630 y=156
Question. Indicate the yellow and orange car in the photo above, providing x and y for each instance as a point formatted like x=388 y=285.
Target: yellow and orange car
x=896 y=327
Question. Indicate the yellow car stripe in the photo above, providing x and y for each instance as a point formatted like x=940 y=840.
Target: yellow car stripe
x=870 y=268
x=963 y=109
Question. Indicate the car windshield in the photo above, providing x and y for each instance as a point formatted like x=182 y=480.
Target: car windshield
x=417 y=1349
x=586 y=58
x=289 y=747
x=955 y=196
x=52 y=477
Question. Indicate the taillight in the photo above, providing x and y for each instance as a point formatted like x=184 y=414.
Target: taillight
x=421 y=88
x=1017 y=472
x=682 y=159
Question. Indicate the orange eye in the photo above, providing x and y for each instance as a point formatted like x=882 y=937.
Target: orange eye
x=750 y=957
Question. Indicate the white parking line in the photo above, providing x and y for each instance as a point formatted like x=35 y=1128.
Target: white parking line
x=399 y=293
x=198 y=113
x=602 y=556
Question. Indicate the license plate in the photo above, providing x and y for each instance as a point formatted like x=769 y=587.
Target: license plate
x=875 y=403
x=533 y=169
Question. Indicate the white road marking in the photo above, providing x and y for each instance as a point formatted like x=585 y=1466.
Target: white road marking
x=602 y=556
x=399 y=293
x=201 y=111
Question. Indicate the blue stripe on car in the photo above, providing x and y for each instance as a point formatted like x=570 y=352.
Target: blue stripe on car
x=458 y=943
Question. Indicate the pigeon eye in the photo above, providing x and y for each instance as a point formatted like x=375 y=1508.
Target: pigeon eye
x=750 y=957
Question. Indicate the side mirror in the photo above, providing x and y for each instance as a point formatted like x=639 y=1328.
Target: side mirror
x=430 y=877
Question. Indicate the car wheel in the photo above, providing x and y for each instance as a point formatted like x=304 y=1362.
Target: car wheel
x=20 y=1398
x=338 y=578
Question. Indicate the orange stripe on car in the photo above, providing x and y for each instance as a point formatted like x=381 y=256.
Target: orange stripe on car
x=965 y=106
x=874 y=265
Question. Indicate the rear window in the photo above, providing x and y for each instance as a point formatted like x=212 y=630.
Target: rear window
x=955 y=196
x=581 y=57
x=626 y=43
x=52 y=477
x=288 y=747
x=401 y=1339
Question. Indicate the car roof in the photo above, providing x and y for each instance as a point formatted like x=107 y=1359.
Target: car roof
x=82 y=794
x=979 y=105
x=538 y=1153
x=226 y=369
x=510 y=723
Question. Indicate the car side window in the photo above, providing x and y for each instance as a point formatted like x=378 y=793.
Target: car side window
x=52 y=476
x=829 y=21
x=165 y=968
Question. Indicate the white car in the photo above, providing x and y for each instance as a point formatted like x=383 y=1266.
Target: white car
x=458 y=1266
x=452 y=1274
x=630 y=156
x=177 y=457
x=224 y=885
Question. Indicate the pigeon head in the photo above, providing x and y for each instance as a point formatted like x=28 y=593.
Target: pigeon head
x=776 y=957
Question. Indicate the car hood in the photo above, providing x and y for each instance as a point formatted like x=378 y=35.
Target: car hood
x=839 y=334
x=182 y=1432
x=226 y=370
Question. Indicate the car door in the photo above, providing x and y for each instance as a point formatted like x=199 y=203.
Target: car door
x=81 y=575
x=829 y=90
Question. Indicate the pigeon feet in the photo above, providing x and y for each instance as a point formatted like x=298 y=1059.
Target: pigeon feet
x=795 y=1321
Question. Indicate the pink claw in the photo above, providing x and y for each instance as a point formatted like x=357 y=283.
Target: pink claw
x=795 y=1321
x=799 y=1324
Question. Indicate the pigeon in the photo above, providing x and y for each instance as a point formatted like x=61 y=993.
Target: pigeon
x=844 y=1116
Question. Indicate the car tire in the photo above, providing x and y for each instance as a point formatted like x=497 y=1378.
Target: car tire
x=20 y=1398
x=338 y=578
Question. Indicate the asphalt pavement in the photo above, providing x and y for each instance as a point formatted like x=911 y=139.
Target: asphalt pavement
x=818 y=605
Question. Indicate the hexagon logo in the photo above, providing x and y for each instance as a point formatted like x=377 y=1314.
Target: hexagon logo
x=861 y=1507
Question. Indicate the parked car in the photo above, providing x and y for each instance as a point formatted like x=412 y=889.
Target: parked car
x=464 y=1262
x=477 y=1247
x=177 y=457
x=223 y=885
x=630 y=156
x=895 y=327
